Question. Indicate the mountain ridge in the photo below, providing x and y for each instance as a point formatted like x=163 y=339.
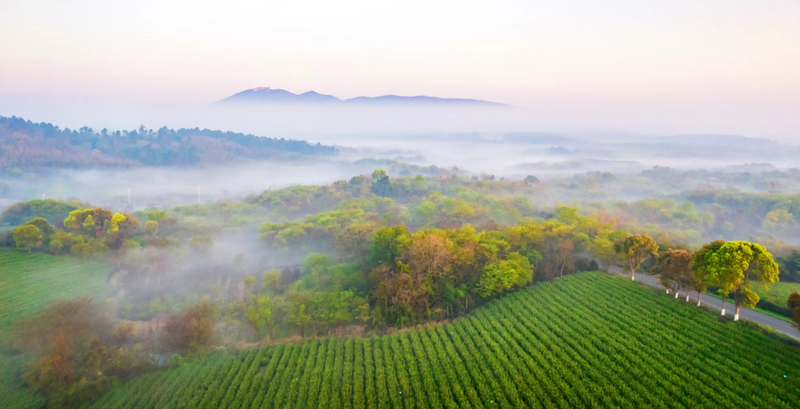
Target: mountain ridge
x=267 y=95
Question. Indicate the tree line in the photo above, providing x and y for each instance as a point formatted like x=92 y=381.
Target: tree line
x=28 y=144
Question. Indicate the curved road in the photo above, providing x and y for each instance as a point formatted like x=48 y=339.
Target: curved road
x=781 y=326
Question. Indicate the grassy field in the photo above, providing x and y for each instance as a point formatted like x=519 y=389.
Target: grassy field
x=27 y=283
x=588 y=340
x=773 y=301
x=775 y=298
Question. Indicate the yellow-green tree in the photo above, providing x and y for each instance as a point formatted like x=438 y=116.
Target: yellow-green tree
x=44 y=227
x=151 y=228
x=27 y=237
x=736 y=265
x=603 y=249
x=504 y=275
x=636 y=249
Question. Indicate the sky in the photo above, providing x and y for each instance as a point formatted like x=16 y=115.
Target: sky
x=679 y=66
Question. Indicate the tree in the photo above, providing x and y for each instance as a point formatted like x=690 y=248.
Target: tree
x=603 y=249
x=270 y=281
x=793 y=303
x=636 y=249
x=201 y=244
x=381 y=185
x=77 y=353
x=44 y=227
x=674 y=272
x=503 y=275
x=530 y=179
x=565 y=254
x=388 y=244
x=735 y=265
x=151 y=228
x=27 y=237
x=90 y=222
x=89 y=226
x=191 y=332
x=63 y=240
x=259 y=314
x=299 y=317
x=353 y=242
x=699 y=266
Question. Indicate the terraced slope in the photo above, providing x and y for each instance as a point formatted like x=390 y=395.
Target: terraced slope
x=589 y=340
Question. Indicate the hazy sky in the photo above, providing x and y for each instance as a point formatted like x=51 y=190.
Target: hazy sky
x=725 y=66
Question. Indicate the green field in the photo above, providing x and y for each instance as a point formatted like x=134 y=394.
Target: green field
x=773 y=301
x=775 y=298
x=588 y=340
x=27 y=283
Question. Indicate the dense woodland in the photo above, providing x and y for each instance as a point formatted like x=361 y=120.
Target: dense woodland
x=368 y=255
x=25 y=144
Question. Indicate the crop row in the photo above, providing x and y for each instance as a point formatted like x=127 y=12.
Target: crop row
x=588 y=340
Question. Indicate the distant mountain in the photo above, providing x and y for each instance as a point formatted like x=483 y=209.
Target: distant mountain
x=535 y=138
x=265 y=95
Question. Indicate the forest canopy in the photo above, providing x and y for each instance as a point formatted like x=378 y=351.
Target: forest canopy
x=26 y=144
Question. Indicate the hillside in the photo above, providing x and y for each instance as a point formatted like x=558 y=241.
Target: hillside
x=584 y=340
x=28 y=282
x=27 y=144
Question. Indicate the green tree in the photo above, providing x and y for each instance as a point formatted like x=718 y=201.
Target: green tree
x=388 y=244
x=736 y=265
x=27 y=237
x=271 y=281
x=701 y=279
x=299 y=317
x=533 y=180
x=63 y=240
x=503 y=275
x=44 y=227
x=379 y=174
x=636 y=249
x=793 y=303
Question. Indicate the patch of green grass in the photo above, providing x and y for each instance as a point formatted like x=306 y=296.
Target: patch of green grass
x=29 y=282
x=777 y=294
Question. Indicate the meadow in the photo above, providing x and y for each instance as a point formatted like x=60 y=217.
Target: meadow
x=775 y=298
x=586 y=340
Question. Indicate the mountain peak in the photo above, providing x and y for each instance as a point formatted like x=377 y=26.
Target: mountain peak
x=267 y=95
